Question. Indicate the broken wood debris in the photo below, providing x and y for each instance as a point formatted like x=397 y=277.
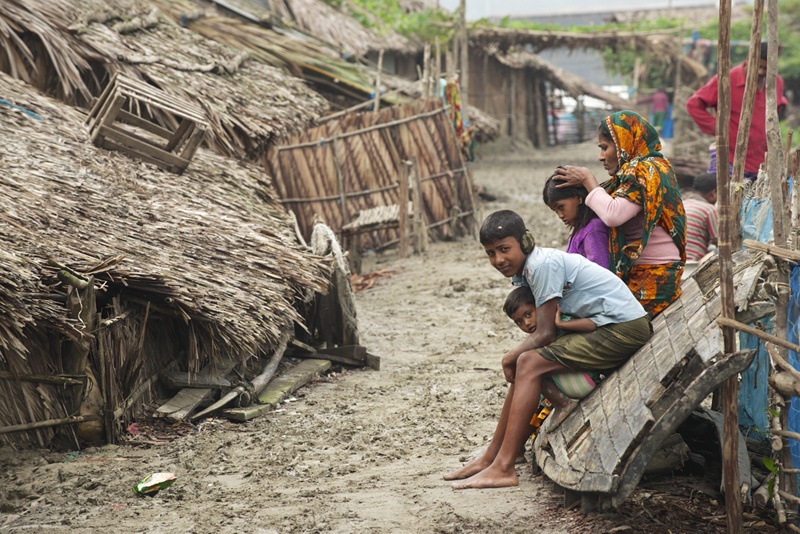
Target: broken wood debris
x=602 y=448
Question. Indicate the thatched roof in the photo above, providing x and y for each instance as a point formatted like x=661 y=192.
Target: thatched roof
x=659 y=43
x=69 y=48
x=212 y=245
x=321 y=20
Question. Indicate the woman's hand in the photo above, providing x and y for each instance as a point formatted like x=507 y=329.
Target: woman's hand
x=571 y=176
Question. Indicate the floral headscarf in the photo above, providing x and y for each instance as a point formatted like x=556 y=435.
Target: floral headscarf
x=644 y=177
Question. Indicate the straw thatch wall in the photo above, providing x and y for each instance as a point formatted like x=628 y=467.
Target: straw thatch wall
x=191 y=269
x=358 y=158
x=70 y=48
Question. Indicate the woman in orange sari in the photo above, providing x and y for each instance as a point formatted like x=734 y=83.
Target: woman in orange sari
x=641 y=204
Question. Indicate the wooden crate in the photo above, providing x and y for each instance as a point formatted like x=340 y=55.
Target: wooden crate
x=114 y=127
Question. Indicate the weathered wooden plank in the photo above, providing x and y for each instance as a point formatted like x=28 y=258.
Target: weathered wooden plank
x=187 y=400
x=182 y=379
x=278 y=388
x=711 y=343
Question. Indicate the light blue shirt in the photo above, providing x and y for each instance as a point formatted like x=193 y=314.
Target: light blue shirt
x=585 y=289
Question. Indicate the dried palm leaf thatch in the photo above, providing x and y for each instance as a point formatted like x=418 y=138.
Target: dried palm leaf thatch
x=661 y=43
x=339 y=29
x=353 y=163
x=302 y=55
x=38 y=49
x=193 y=269
x=248 y=104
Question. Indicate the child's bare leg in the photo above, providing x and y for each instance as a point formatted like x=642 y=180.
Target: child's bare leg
x=563 y=405
x=531 y=367
x=483 y=461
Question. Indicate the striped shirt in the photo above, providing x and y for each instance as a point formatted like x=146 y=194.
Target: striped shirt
x=701 y=226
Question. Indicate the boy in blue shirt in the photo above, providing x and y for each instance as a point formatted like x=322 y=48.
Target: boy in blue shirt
x=581 y=289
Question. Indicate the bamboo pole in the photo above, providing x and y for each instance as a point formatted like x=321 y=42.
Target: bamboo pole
x=58 y=380
x=402 y=204
x=340 y=182
x=730 y=441
x=745 y=118
x=48 y=423
x=378 y=82
x=775 y=172
x=464 y=77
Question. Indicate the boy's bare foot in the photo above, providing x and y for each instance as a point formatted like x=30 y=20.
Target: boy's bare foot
x=491 y=477
x=472 y=467
x=560 y=413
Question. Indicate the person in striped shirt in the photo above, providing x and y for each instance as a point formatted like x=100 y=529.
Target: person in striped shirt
x=701 y=217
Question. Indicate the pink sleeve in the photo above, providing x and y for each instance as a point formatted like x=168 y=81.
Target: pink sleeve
x=703 y=98
x=612 y=211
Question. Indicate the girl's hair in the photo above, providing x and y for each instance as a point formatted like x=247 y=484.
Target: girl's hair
x=553 y=194
x=518 y=297
x=500 y=225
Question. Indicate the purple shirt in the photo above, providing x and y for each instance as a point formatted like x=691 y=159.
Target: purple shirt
x=591 y=242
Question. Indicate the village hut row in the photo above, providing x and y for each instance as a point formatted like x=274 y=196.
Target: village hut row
x=115 y=269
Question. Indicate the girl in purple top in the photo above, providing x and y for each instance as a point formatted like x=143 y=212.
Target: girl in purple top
x=589 y=235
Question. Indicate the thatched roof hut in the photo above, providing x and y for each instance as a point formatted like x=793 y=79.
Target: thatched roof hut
x=510 y=81
x=662 y=43
x=70 y=48
x=193 y=269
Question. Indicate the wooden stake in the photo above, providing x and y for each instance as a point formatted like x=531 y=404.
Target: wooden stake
x=378 y=82
x=745 y=118
x=730 y=441
x=402 y=203
x=464 y=77
x=776 y=167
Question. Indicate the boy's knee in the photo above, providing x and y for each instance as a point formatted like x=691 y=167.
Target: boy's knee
x=529 y=362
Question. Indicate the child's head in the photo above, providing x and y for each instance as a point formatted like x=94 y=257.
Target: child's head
x=706 y=184
x=520 y=306
x=569 y=203
x=507 y=242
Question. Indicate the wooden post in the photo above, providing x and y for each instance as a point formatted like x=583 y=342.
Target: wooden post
x=730 y=441
x=438 y=72
x=378 y=82
x=464 y=77
x=420 y=230
x=340 y=179
x=402 y=204
x=677 y=127
x=745 y=118
x=775 y=171
x=426 y=71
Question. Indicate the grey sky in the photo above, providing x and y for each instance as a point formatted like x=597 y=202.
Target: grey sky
x=477 y=9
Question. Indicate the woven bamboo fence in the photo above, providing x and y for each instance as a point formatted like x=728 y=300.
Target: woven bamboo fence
x=353 y=163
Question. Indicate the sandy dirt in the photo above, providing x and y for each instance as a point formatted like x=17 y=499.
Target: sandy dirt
x=358 y=450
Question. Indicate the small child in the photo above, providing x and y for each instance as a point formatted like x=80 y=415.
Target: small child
x=589 y=235
x=561 y=389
